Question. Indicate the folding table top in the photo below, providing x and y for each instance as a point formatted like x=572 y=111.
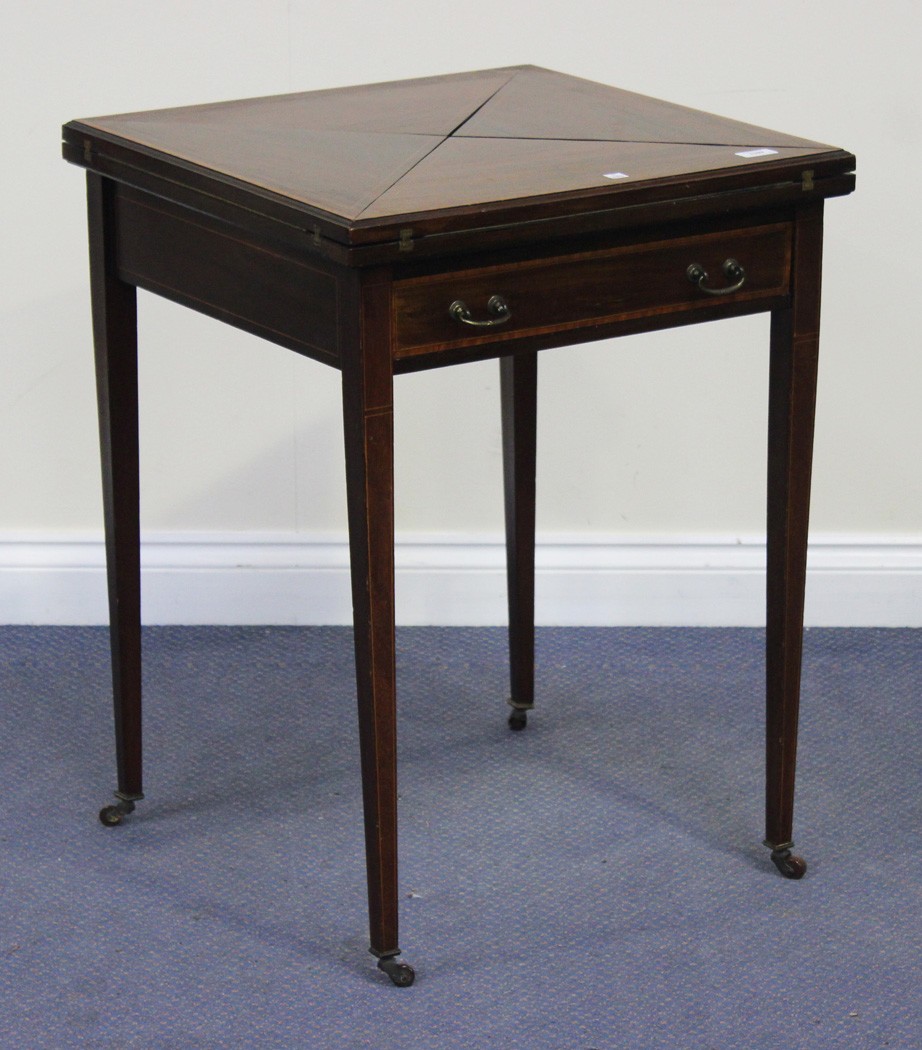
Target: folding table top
x=412 y=158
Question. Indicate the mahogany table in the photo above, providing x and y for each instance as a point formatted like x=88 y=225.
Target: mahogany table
x=409 y=225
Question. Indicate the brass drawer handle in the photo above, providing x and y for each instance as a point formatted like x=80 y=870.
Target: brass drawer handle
x=697 y=274
x=496 y=305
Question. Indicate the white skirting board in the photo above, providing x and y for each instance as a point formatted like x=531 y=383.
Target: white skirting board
x=247 y=578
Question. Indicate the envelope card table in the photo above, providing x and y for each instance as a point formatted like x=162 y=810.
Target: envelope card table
x=394 y=227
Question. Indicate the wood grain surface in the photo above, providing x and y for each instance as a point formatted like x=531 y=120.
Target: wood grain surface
x=442 y=152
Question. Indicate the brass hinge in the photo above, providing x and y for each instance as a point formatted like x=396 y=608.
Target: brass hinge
x=406 y=241
x=315 y=236
x=87 y=151
x=806 y=182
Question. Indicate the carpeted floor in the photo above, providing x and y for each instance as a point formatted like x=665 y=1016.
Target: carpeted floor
x=596 y=881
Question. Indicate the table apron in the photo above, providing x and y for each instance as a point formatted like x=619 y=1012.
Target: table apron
x=216 y=269
x=297 y=300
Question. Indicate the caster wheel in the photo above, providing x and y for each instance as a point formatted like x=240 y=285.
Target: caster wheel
x=791 y=867
x=518 y=720
x=401 y=973
x=112 y=816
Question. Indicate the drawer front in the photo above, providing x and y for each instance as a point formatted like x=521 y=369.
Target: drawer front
x=589 y=288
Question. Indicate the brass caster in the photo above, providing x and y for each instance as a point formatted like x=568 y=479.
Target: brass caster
x=401 y=973
x=112 y=816
x=791 y=867
x=518 y=719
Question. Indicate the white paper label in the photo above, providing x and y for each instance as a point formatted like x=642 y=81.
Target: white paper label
x=747 y=153
x=615 y=175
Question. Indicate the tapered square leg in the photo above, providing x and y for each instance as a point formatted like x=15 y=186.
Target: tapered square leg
x=368 y=418
x=518 y=398
x=792 y=398
x=115 y=340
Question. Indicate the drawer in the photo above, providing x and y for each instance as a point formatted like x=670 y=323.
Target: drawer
x=589 y=288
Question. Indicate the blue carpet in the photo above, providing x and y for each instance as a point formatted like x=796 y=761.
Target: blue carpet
x=596 y=881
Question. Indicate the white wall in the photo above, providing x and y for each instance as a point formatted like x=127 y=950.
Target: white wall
x=659 y=438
